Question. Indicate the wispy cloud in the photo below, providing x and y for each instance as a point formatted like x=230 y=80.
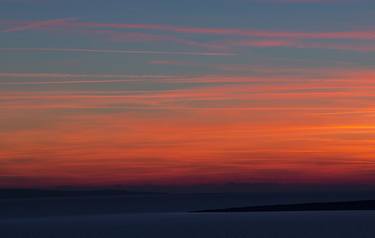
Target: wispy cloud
x=105 y=51
x=35 y=25
x=69 y=75
x=304 y=1
x=162 y=33
x=226 y=91
x=255 y=126
x=215 y=131
x=363 y=47
x=364 y=35
x=236 y=98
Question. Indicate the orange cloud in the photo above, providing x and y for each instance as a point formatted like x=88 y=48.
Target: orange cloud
x=297 y=130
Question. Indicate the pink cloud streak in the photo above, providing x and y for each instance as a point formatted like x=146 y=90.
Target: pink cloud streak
x=71 y=22
x=364 y=35
x=105 y=51
x=263 y=38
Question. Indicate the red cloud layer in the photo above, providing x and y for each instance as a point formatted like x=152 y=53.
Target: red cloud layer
x=247 y=130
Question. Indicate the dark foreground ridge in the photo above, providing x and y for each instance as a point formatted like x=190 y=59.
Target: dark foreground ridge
x=324 y=206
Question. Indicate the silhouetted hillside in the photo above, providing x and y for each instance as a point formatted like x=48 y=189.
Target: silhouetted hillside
x=328 y=206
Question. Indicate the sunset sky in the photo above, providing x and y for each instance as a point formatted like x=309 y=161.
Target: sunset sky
x=172 y=92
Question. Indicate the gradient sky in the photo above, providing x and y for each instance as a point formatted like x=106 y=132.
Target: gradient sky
x=186 y=92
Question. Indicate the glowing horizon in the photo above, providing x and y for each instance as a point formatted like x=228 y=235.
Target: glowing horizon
x=168 y=99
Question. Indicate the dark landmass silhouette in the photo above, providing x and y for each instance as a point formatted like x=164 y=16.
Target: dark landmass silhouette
x=61 y=202
x=321 y=206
